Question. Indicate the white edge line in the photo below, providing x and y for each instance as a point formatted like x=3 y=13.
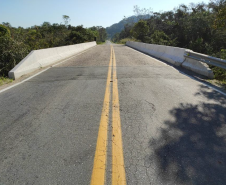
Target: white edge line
x=7 y=88
x=204 y=84
x=180 y=71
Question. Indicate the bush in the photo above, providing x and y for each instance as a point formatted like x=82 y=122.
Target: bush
x=11 y=53
x=123 y=41
x=219 y=73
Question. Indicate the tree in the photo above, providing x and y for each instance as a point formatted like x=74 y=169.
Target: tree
x=4 y=31
x=11 y=51
x=220 y=21
x=66 y=19
x=142 y=13
x=140 y=30
x=160 y=38
x=101 y=33
x=7 y=24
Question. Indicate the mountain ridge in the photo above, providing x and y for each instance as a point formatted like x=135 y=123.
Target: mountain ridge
x=118 y=27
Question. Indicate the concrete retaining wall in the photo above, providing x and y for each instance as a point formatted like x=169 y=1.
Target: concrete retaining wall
x=37 y=59
x=172 y=55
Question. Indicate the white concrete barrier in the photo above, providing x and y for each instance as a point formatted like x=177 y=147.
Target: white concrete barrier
x=173 y=55
x=198 y=67
x=170 y=54
x=37 y=59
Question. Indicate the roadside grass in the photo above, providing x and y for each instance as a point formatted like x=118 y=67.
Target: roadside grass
x=100 y=43
x=5 y=80
x=123 y=41
x=219 y=83
x=219 y=77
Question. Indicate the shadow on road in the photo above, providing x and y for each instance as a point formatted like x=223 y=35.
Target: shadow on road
x=192 y=148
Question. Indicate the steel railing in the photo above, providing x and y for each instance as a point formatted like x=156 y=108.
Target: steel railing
x=206 y=59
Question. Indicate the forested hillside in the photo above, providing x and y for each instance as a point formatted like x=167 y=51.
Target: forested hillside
x=200 y=27
x=16 y=43
x=115 y=28
x=118 y=27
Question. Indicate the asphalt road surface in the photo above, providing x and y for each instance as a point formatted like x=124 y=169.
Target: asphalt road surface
x=112 y=115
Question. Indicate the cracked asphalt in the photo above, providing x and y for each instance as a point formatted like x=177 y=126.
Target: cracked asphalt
x=173 y=127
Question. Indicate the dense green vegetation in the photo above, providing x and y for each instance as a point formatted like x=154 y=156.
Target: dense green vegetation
x=199 y=27
x=16 y=43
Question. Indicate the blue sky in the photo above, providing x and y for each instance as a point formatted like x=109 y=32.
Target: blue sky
x=88 y=13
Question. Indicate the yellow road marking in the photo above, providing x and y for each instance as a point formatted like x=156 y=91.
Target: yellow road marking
x=118 y=169
x=100 y=159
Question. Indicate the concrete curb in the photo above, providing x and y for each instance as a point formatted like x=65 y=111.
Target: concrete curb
x=37 y=59
x=174 y=56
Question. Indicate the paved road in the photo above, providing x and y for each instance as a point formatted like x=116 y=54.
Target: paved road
x=112 y=115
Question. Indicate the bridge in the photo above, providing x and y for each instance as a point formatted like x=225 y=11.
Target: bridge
x=112 y=115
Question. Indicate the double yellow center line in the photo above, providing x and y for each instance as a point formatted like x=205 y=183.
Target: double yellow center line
x=100 y=159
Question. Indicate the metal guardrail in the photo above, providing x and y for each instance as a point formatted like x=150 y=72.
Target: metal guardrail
x=206 y=59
